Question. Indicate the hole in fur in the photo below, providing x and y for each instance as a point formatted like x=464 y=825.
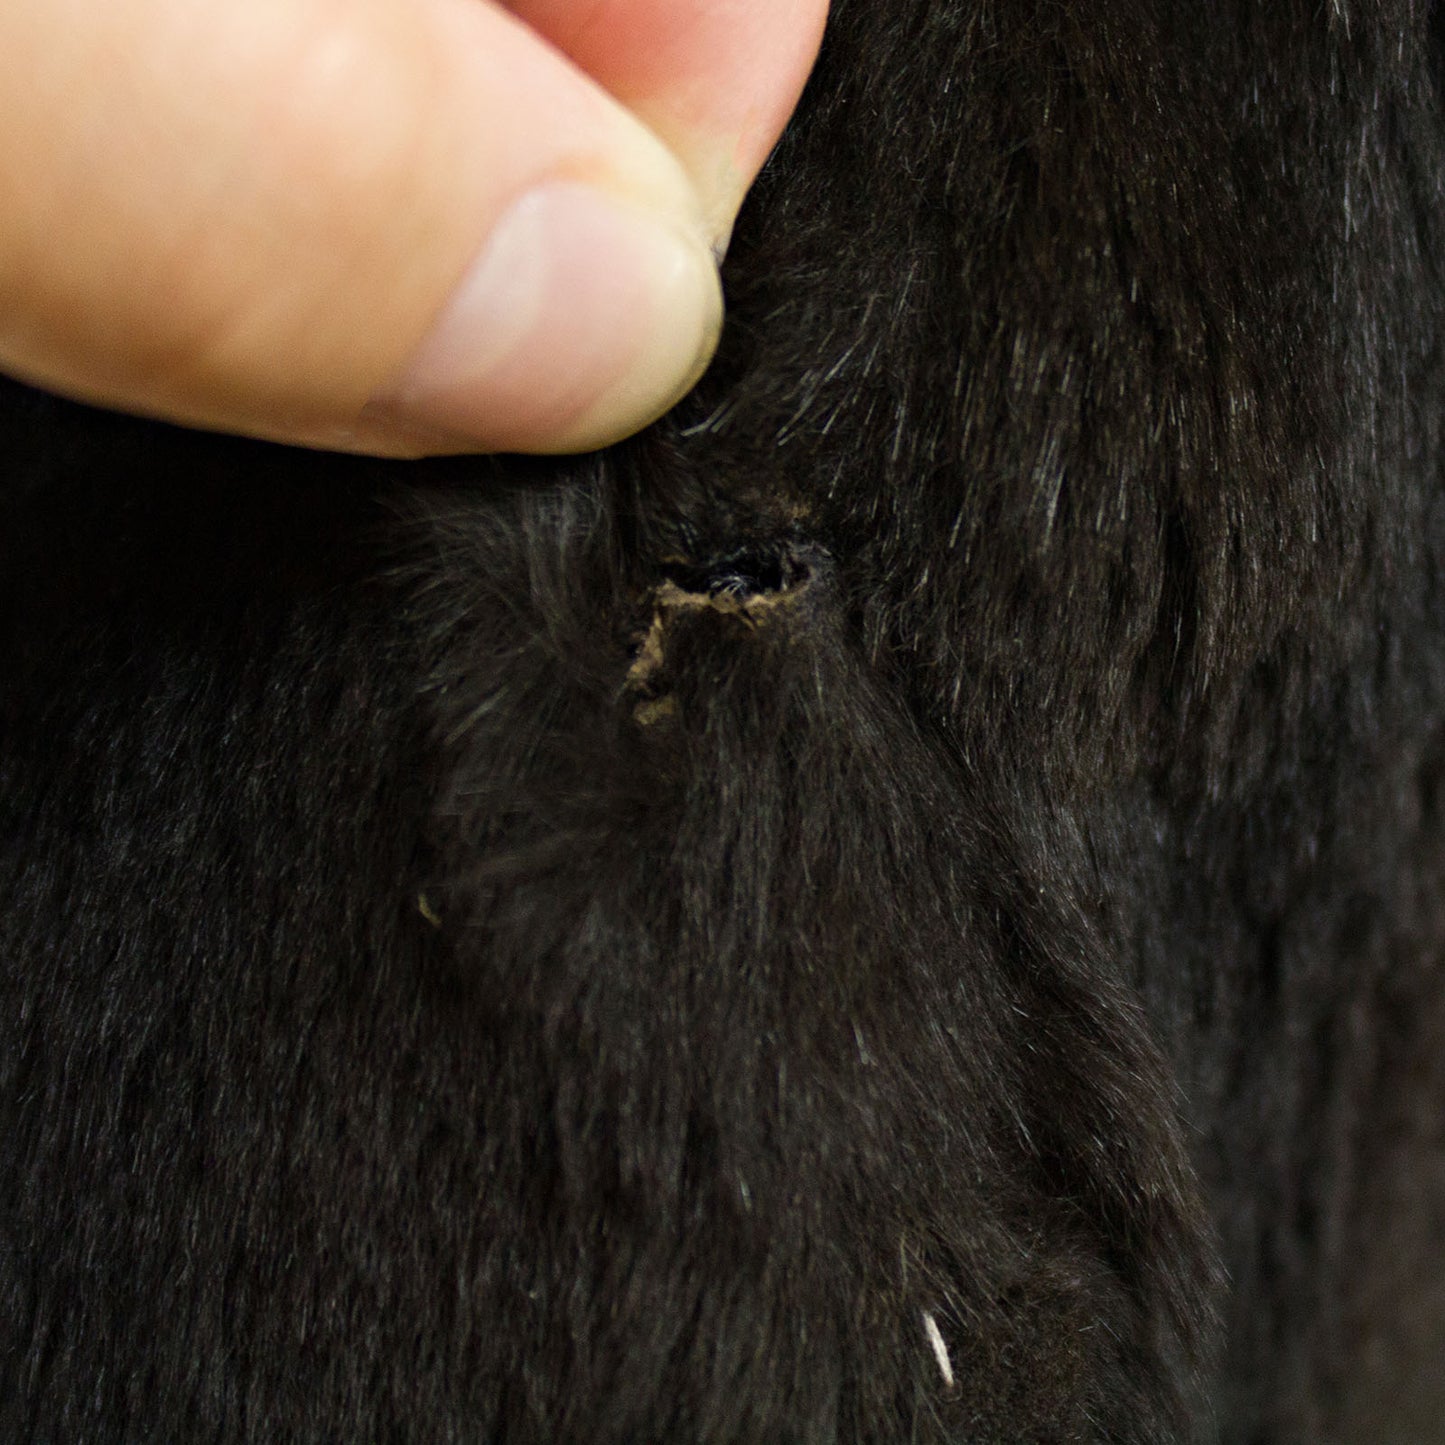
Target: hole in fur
x=747 y=583
x=748 y=572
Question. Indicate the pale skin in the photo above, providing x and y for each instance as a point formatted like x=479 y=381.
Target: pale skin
x=401 y=227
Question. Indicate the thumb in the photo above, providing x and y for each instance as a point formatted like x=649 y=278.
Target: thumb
x=400 y=226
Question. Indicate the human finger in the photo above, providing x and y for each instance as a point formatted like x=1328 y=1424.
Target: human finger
x=389 y=225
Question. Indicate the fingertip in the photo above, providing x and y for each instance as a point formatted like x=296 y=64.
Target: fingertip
x=584 y=317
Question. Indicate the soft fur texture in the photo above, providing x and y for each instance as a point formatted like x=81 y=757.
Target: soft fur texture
x=903 y=905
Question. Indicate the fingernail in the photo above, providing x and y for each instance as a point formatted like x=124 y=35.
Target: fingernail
x=582 y=319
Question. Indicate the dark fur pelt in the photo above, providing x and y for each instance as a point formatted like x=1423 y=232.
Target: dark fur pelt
x=906 y=904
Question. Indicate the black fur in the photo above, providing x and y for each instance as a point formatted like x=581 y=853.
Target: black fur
x=904 y=904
